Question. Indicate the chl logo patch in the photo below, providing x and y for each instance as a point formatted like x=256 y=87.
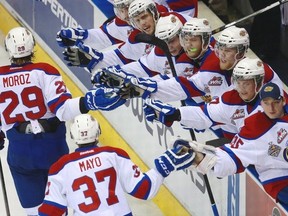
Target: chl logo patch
x=273 y=150
x=215 y=81
x=239 y=113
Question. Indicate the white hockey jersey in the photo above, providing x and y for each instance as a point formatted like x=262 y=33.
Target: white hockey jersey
x=156 y=63
x=228 y=109
x=93 y=181
x=262 y=142
x=131 y=50
x=34 y=91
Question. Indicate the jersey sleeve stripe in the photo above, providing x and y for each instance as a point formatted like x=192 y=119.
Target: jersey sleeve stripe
x=142 y=189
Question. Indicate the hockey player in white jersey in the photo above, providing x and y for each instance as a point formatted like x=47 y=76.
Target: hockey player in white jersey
x=34 y=105
x=230 y=109
x=116 y=30
x=155 y=63
x=94 y=179
x=261 y=142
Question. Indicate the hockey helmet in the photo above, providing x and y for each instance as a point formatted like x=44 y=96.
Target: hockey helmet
x=84 y=129
x=19 y=42
x=139 y=6
x=168 y=27
x=121 y=9
x=249 y=68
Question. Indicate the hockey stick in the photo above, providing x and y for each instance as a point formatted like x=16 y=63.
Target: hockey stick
x=145 y=38
x=250 y=16
x=4 y=190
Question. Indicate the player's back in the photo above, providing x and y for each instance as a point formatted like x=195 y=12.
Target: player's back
x=91 y=181
x=26 y=91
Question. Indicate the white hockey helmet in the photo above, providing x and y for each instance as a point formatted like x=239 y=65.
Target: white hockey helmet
x=195 y=27
x=19 y=42
x=139 y=6
x=84 y=129
x=168 y=27
x=234 y=37
x=249 y=68
x=121 y=8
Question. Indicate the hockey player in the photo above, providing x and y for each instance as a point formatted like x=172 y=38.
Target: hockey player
x=155 y=63
x=195 y=37
x=117 y=30
x=93 y=180
x=230 y=109
x=34 y=104
x=143 y=17
x=261 y=142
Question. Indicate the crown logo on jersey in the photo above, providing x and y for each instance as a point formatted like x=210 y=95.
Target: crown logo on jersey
x=273 y=150
x=239 y=113
x=259 y=63
x=215 y=81
x=188 y=71
x=282 y=133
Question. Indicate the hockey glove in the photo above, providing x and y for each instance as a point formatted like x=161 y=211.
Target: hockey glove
x=174 y=159
x=2 y=139
x=205 y=155
x=133 y=87
x=164 y=113
x=103 y=99
x=138 y=87
x=68 y=36
x=106 y=77
x=95 y=56
x=75 y=57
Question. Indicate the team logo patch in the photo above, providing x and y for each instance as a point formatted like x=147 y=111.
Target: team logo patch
x=281 y=134
x=285 y=154
x=273 y=150
x=188 y=71
x=215 y=81
x=239 y=113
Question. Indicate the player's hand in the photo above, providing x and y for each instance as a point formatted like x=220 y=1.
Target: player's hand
x=95 y=56
x=103 y=99
x=109 y=77
x=138 y=87
x=178 y=158
x=68 y=36
x=2 y=139
x=158 y=111
x=76 y=57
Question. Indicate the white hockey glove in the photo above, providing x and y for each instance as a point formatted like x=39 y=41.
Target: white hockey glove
x=205 y=158
x=177 y=158
x=103 y=99
x=68 y=36
x=76 y=57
